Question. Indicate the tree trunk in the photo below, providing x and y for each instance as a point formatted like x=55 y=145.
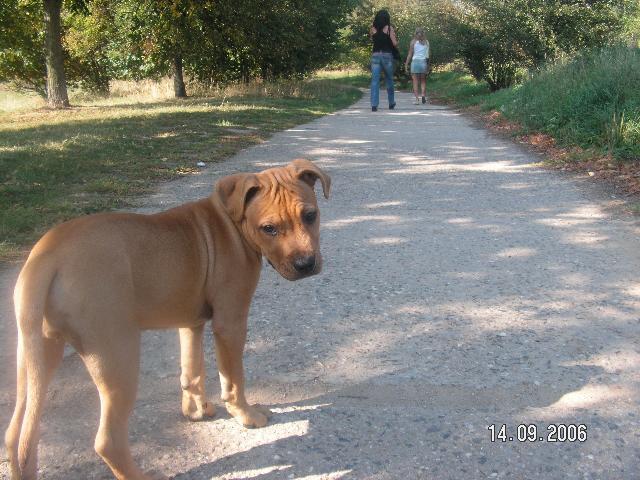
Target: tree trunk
x=56 y=83
x=178 y=80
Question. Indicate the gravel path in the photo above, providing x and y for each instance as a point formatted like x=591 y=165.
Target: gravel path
x=463 y=287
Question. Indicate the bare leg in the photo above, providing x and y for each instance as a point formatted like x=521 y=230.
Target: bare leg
x=194 y=399
x=230 y=336
x=423 y=78
x=114 y=365
x=25 y=465
x=416 y=83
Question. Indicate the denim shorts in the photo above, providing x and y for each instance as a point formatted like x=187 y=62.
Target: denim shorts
x=419 y=66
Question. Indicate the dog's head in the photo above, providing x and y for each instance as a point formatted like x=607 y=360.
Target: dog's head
x=277 y=212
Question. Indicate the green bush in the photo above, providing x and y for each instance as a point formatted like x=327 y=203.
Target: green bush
x=497 y=38
x=592 y=100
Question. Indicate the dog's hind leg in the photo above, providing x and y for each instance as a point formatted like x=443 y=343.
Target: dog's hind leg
x=24 y=461
x=114 y=362
x=192 y=380
x=38 y=357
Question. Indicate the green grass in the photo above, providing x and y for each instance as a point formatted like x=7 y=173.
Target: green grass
x=100 y=153
x=457 y=87
x=592 y=100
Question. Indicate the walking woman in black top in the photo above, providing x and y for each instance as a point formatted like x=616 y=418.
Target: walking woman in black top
x=384 y=39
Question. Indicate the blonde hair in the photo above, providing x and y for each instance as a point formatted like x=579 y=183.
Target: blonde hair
x=419 y=35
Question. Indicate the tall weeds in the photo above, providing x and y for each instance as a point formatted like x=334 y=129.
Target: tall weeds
x=592 y=100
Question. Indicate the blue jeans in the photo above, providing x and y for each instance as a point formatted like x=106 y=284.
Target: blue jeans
x=379 y=62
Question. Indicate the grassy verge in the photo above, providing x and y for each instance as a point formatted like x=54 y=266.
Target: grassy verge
x=100 y=153
x=591 y=101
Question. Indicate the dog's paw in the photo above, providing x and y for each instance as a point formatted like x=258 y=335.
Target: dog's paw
x=251 y=416
x=195 y=409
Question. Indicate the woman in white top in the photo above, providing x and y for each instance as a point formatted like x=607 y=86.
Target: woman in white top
x=419 y=55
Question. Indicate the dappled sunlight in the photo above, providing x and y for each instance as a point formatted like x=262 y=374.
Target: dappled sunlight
x=492 y=318
x=574 y=279
x=460 y=220
x=563 y=222
x=468 y=275
x=13 y=148
x=466 y=223
x=617 y=315
x=503 y=166
x=589 y=396
x=387 y=241
x=255 y=437
x=298 y=408
x=412 y=310
x=392 y=203
x=586 y=239
x=633 y=289
x=516 y=186
x=457 y=146
x=621 y=361
x=255 y=473
x=411 y=113
x=326 y=476
x=418 y=160
x=386 y=219
x=165 y=135
x=348 y=141
x=516 y=252
x=583 y=215
x=351 y=361
x=321 y=151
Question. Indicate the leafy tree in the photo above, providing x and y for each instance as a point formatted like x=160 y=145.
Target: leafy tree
x=500 y=37
x=210 y=42
x=289 y=38
x=86 y=41
x=497 y=38
x=32 y=54
x=21 y=42
x=153 y=38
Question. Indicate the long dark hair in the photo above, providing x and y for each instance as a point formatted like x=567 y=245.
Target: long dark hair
x=381 y=20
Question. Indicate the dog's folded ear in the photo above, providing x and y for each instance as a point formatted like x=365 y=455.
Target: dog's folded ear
x=236 y=191
x=309 y=173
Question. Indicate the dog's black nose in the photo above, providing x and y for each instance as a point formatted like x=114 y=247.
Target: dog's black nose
x=305 y=264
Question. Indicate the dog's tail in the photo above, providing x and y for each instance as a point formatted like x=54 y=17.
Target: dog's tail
x=30 y=297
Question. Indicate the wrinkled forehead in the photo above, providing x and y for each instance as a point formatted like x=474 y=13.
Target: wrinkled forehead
x=285 y=193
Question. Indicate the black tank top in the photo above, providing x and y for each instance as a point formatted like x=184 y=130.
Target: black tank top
x=382 y=42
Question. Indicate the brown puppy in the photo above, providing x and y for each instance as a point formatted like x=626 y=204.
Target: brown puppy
x=97 y=281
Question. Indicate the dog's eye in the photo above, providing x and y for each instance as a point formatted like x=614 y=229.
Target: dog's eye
x=310 y=217
x=270 y=230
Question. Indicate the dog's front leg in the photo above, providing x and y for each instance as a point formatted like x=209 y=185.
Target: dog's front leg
x=194 y=399
x=230 y=335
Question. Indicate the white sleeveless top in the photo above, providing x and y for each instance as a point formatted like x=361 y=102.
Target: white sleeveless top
x=420 y=50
